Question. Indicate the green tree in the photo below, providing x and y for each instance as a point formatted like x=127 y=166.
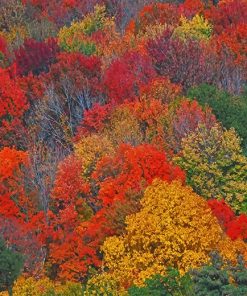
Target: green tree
x=239 y=274
x=173 y=284
x=11 y=264
x=220 y=278
x=229 y=109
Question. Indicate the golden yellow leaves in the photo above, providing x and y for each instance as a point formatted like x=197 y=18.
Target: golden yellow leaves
x=198 y=28
x=90 y=149
x=175 y=227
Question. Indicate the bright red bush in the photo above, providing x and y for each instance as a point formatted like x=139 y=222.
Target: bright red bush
x=132 y=168
x=237 y=228
x=68 y=182
x=222 y=211
x=234 y=40
x=234 y=226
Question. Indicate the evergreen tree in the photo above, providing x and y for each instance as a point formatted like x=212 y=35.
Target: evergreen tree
x=11 y=264
x=214 y=279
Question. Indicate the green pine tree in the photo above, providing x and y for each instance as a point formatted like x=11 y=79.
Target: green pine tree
x=214 y=279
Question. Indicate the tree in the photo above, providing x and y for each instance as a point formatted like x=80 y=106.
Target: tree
x=175 y=227
x=124 y=77
x=14 y=198
x=35 y=56
x=90 y=35
x=227 y=14
x=3 y=51
x=60 y=13
x=162 y=13
x=230 y=110
x=185 y=63
x=190 y=8
x=234 y=226
x=198 y=28
x=13 y=104
x=89 y=150
x=19 y=208
x=71 y=252
x=171 y=284
x=215 y=165
x=220 y=278
x=71 y=87
x=10 y=267
x=19 y=234
x=94 y=191
x=222 y=211
x=93 y=120
x=186 y=117
x=233 y=39
x=12 y=14
x=123 y=126
x=132 y=168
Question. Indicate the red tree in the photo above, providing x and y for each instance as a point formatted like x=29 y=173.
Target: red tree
x=132 y=168
x=185 y=63
x=70 y=250
x=234 y=226
x=35 y=56
x=162 y=13
x=125 y=76
x=191 y=7
x=227 y=14
x=13 y=105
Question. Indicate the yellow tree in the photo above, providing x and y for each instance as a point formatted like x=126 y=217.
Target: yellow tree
x=175 y=227
x=91 y=35
x=198 y=28
x=215 y=165
x=90 y=149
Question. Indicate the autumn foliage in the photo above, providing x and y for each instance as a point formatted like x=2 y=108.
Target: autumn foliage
x=35 y=56
x=123 y=166
x=13 y=106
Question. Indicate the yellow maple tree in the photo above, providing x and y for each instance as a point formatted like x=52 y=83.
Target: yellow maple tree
x=175 y=227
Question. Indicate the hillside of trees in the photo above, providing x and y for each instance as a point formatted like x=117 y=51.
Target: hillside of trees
x=123 y=148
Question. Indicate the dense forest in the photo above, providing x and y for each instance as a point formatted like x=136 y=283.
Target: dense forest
x=123 y=148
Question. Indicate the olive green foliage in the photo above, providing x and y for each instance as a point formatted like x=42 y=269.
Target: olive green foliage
x=230 y=110
x=70 y=289
x=11 y=264
x=215 y=166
